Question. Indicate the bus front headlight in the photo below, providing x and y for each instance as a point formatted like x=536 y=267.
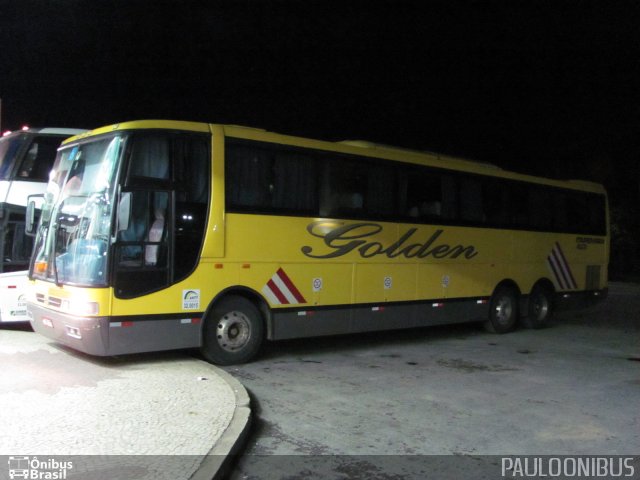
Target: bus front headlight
x=80 y=308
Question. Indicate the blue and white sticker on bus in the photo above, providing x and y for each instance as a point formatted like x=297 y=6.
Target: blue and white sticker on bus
x=191 y=299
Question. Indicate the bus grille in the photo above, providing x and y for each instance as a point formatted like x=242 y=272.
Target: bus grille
x=55 y=302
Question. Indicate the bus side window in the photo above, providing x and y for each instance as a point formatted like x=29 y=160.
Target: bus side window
x=495 y=203
x=449 y=197
x=540 y=208
x=471 y=209
x=596 y=210
x=424 y=195
x=577 y=215
x=295 y=183
x=560 y=221
x=248 y=172
x=344 y=189
x=518 y=205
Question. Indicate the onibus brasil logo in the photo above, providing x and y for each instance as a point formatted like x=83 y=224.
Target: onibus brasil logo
x=35 y=469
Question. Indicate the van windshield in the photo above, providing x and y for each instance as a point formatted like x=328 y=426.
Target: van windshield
x=9 y=148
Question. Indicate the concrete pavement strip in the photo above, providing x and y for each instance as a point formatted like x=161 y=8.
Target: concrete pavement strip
x=59 y=402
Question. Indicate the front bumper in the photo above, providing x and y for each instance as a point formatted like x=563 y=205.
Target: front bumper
x=86 y=334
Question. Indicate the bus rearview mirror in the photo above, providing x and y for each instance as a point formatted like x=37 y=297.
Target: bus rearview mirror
x=30 y=221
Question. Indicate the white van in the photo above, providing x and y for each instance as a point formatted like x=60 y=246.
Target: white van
x=26 y=157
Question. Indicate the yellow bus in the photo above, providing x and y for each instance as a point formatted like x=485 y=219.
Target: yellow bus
x=159 y=235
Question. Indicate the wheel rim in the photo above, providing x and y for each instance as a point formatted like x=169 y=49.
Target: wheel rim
x=540 y=306
x=233 y=332
x=504 y=310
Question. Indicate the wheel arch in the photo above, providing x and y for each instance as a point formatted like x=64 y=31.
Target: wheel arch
x=509 y=283
x=249 y=294
x=542 y=282
x=545 y=283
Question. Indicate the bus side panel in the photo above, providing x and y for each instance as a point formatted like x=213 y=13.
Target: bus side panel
x=368 y=318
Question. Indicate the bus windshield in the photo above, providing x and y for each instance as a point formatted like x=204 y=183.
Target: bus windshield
x=75 y=225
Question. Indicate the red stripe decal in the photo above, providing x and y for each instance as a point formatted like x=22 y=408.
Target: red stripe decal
x=276 y=291
x=292 y=288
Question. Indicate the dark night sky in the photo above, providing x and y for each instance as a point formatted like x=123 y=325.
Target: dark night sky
x=541 y=87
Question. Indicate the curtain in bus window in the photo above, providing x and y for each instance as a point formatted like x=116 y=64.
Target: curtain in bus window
x=518 y=203
x=449 y=197
x=495 y=202
x=138 y=226
x=248 y=173
x=381 y=191
x=540 y=208
x=577 y=216
x=295 y=183
x=560 y=221
x=150 y=157
x=471 y=209
x=425 y=196
x=596 y=210
x=345 y=190
x=192 y=170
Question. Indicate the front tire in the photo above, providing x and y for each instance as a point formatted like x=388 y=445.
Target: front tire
x=503 y=311
x=233 y=331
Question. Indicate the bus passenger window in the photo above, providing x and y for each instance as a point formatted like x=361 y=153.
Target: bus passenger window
x=424 y=195
x=248 y=172
x=295 y=183
x=471 y=209
x=540 y=206
x=345 y=185
x=381 y=191
x=495 y=203
x=518 y=203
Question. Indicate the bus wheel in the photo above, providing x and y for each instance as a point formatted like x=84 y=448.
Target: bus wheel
x=540 y=308
x=233 y=331
x=503 y=312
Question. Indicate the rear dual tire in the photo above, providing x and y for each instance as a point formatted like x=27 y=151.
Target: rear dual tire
x=503 y=310
x=540 y=308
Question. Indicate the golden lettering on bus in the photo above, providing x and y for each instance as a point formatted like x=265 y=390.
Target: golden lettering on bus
x=342 y=239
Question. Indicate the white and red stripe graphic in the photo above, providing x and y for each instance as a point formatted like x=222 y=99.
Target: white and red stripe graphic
x=280 y=290
x=560 y=268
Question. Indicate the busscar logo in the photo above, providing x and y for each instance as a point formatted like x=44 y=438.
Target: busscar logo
x=36 y=469
x=342 y=239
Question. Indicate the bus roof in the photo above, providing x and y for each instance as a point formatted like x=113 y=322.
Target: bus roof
x=357 y=147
